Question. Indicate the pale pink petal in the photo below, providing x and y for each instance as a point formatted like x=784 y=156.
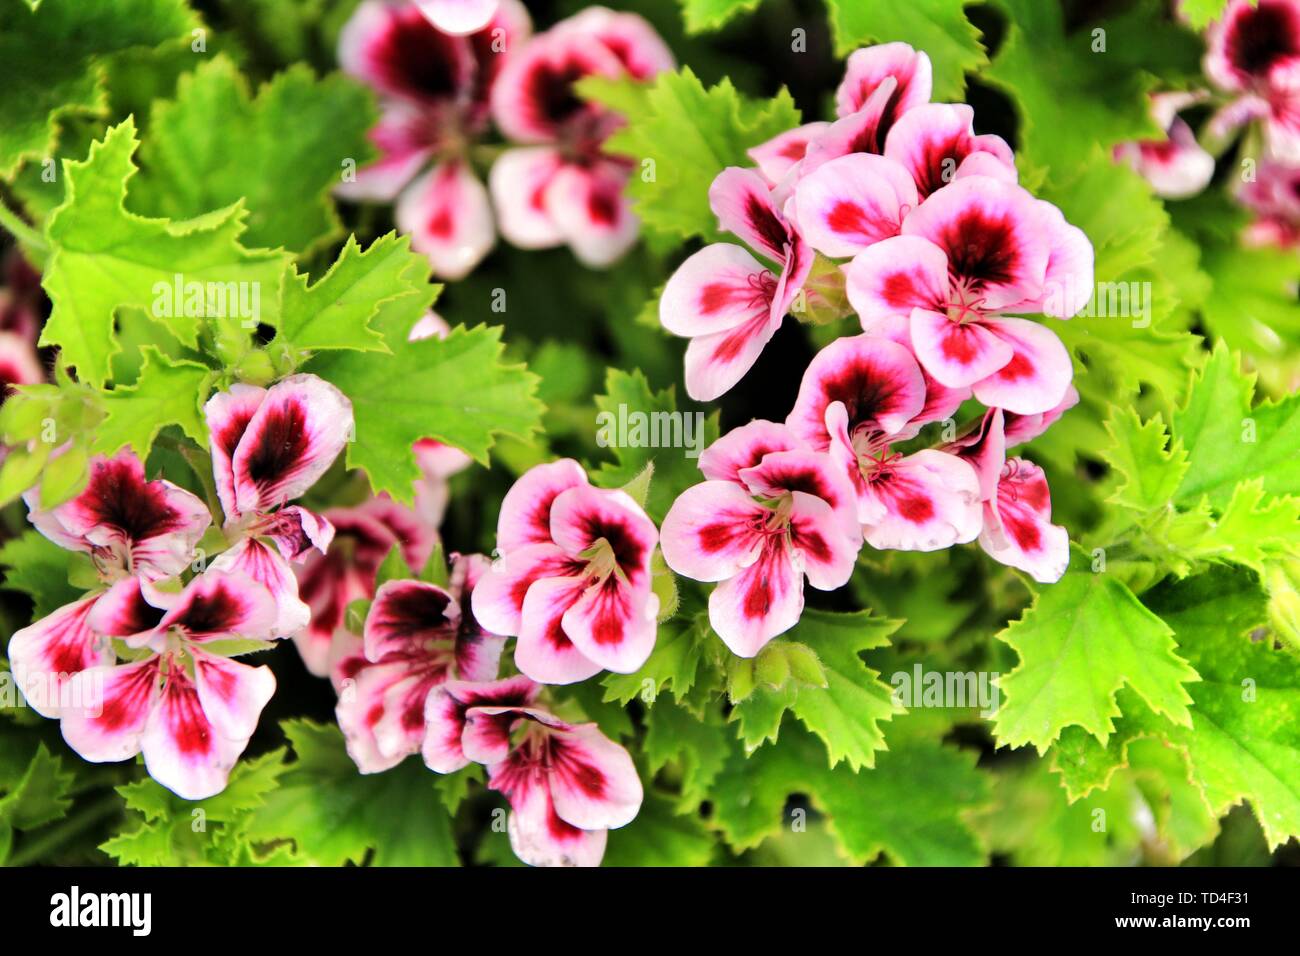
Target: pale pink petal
x=525 y=515
x=448 y=216
x=941 y=402
x=933 y=140
x=498 y=600
x=613 y=624
x=294 y=436
x=519 y=182
x=761 y=601
x=742 y=201
x=409 y=617
x=1068 y=281
x=713 y=530
x=894 y=277
x=778 y=155
x=446 y=714
x=44 y=655
x=533 y=100
x=538 y=836
x=716 y=362
x=870 y=66
x=228 y=415
x=543 y=651
x=851 y=202
x=930 y=499
x=862 y=131
x=588 y=206
x=395 y=49
x=993 y=235
x=114 y=706
x=221 y=604
x=125 y=611
x=957 y=354
x=231 y=694
x=745 y=447
x=879 y=382
x=823 y=547
x=594 y=784
x=583 y=516
x=296 y=532
x=808 y=472
x=718 y=288
x=459 y=17
x=1017 y=526
x=1038 y=374
x=628 y=36
x=984 y=446
x=380 y=711
x=403 y=142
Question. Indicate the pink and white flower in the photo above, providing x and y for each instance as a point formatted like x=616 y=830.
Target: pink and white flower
x=19 y=363
x=561 y=187
x=858 y=396
x=727 y=302
x=1274 y=198
x=772 y=513
x=268 y=447
x=572 y=579
x=1254 y=52
x=568 y=784
x=434 y=74
x=189 y=710
x=329 y=582
x=1176 y=166
x=417 y=636
x=973 y=252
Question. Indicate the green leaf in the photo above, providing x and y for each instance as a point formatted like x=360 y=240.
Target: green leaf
x=39 y=568
x=335 y=312
x=1228 y=441
x=1084 y=638
x=335 y=815
x=280 y=152
x=1074 y=96
x=845 y=713
x=680 y=648
x=697 y=747
x=681 y=136
x=912 y=806
x=42 y=794
x=1199 y=13
x=166 y=393
x=702 y=16
x=171 y=831
x=1150 y=473
x=52 y=62
x=105 y=258
x=457 y=390
x=939 y=27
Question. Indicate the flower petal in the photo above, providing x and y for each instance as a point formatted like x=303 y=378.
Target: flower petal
x=533 y=99
x=931 y=500
x=115 y=703
x=446 y=714
x=44 y=655
x=1022 y=428
x=410 y=618
x=582 y=516
x=710 y=532
x=851 y=202
x=813 y=473
x=222 y=604
x=933 y=140
x=870 y=66
x=782 y=152
x=895 y=276
x=761 y=601
x=1038 y=374
x=1018 y=529
x=459 y=17
x=879 y=382
x=825 y=549
x=498 y=599
x=716 y=362
x=539 y=837
x=232 y=694
x=395 y=49
x=745 y=447
x=593 y=783
x=519 y=182
x=448 y=216
x=588 y=206
x=402 y=140
x=718 y=288
x=525 y=515
x=742 y=201
x=294 y=436
x=228 y=415
x=544 y=651
x=957 y=354
x=613 y=624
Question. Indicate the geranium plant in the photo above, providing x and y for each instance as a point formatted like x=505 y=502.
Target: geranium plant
x=841 y=438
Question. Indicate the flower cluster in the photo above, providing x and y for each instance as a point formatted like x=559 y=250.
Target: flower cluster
x=448 y=68
x=1252 y=61
x=568 y=784
x=144 y=662
x=946 y=256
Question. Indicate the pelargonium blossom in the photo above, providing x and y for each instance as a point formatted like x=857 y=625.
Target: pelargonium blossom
x=772 y=513
x=973 y=255
x=567 y=784
x=434 y=74
x=1176 y=166
x=268 y=447
x=132 y=529
x=859 y=396
x=571 y=577
x=727 y=302
x=417 y=635
x=1274 y=198
x=188 y=708
x=559 y=187
x=1254 y=54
